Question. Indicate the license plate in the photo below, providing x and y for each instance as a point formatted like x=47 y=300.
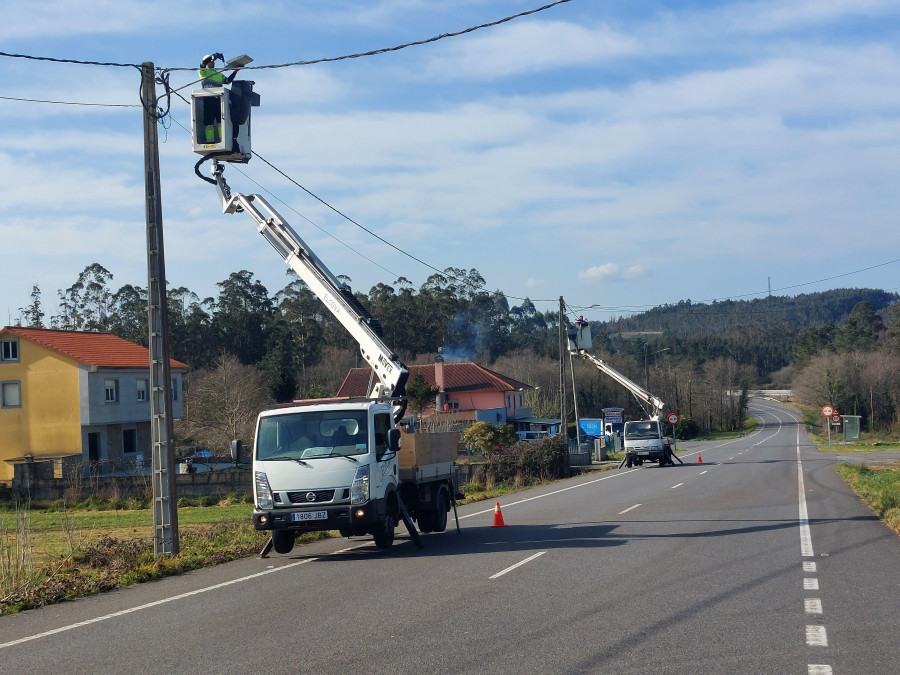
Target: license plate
x=309 y=515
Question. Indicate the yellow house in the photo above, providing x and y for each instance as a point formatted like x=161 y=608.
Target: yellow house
x=76 y=395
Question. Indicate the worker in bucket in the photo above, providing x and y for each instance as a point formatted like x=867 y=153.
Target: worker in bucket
x=212 y=115
x=212 y=77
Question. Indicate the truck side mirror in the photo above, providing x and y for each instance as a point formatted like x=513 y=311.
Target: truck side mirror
x=236 y=451
x=394 y=440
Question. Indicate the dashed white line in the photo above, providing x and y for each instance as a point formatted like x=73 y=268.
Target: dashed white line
x=679 y=485
x=518 y=564
x=818 y=669
x=812 y=605
x=630 y=508
x=809 y=566
x=703 y=472
x=816 y=636
x=810 y=584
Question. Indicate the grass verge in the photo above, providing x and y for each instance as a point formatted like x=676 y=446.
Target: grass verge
x=879 y=487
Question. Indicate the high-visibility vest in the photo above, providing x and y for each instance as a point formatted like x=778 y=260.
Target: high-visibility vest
x=212 y=77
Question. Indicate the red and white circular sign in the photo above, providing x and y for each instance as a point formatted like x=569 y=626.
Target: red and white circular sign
x=828 y=410
x=836 y=418
x=672 y=418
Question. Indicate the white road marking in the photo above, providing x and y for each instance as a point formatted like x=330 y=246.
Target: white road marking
x=156 y=603
x=518 y=564
x=812 y=605
x=630 y=508
x=555 y=492
x=806 y=547
x=816 y=636
x=703 y=472
x=809 y=566
x=679 y=485
x=818 y=669
x=810 y=584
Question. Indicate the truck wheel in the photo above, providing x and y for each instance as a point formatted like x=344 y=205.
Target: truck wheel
x=283 y=542
x=628 y=462
x=440 y=516
x=662 y=461
x=426 y=521
x=385 y=536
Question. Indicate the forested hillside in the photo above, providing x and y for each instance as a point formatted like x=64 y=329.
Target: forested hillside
x=689 y=354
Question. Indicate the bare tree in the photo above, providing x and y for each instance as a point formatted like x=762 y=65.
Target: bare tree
x=221 y=404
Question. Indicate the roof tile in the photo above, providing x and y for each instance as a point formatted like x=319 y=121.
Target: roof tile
x=103 y=350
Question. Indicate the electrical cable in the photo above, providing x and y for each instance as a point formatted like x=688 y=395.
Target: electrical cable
x=417 y=43
x=98 y=105
x=75 y=61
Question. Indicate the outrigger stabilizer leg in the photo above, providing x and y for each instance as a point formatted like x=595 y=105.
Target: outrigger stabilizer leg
x=410 y=525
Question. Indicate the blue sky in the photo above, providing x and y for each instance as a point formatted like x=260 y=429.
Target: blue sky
x=620 y=154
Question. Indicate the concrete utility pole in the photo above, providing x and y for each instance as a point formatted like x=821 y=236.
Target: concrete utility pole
x=562 y=370
x=165 y=502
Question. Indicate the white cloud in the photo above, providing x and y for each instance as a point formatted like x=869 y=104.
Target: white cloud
x=528 y=46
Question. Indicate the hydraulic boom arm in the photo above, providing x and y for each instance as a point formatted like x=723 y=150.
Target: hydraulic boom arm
x=580 y=339
x=639 y=392
x=364 y=328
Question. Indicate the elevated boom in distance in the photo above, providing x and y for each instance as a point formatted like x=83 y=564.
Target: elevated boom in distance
x=580 y=340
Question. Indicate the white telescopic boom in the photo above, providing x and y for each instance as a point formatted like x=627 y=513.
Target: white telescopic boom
x=364 y=328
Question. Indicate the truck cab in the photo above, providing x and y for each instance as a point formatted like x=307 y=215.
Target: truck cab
x=645 y=441
x=326 y=466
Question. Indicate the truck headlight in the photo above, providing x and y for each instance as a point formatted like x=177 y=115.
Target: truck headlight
x=264 y=498
x=359 y=488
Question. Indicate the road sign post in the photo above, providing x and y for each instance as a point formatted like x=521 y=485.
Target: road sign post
x=672 y=418
x=829 y=411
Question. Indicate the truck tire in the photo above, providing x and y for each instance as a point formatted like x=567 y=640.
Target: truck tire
x=426 y=520
x=628 y=461
x=385 y=536
x=439 y=520
x=283 y=541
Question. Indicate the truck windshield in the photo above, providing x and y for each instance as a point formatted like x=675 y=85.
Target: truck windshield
x=312 y=435
x=636 y=430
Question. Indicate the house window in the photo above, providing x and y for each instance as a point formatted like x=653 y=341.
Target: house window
x=142 y=386
x=112 y=390
x=174 y=389
x=10 y=394
x=454 y=405
x=9 y=350
x=129 y=441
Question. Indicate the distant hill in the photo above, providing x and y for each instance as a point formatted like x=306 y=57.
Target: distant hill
x=758 y=332
x=689 y=320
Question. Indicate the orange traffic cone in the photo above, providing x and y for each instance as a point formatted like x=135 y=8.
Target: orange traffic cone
x=498 y=516
x=699 y=459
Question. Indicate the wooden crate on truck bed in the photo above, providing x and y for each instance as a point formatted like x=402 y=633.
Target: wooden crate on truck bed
x=434 y=448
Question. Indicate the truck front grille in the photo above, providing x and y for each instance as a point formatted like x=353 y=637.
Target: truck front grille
x=318 y=496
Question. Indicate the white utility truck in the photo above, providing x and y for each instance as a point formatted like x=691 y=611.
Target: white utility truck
x=645 y=440
x=333 y=464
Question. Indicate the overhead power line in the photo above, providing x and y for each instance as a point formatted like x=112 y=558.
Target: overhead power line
x=329 y=59
x=98 y=105
x=75 y=61
x=417 y=43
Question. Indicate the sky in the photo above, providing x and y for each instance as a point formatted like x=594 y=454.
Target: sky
x=619 y=154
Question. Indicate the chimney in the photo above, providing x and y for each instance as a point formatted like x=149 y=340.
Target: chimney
x=439 y=372
x=440 y=400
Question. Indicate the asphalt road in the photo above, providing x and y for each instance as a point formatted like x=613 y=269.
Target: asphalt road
x=729 y=565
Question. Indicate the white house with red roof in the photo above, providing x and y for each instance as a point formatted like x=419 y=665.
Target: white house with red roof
x=70 y=398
